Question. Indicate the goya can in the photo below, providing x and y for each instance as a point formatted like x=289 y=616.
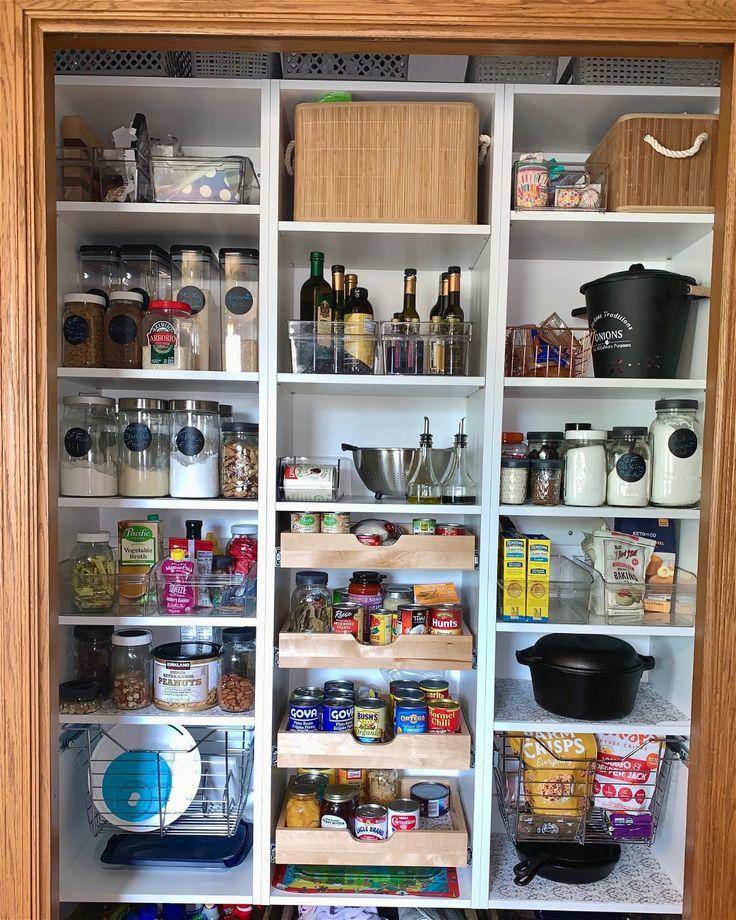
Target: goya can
x=423 y=526
x=369 y=724
x=410 y=718
x=338 y=714
x=403 y=815
x=444 y=717
x=305 y=522
x=381 y=622
x=435 y=689
x=446 y=620
x=371 y=822
x=450 y=530
x=348 y=618
x=305 y=714
x=308 y=693
x=433 y=799
x=409 y=619
x=344 y=686
x=335 y=522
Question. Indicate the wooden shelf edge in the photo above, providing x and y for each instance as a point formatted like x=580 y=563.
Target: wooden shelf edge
x=409 y=552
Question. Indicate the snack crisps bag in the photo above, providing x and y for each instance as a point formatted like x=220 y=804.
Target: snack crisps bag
x=558 y=771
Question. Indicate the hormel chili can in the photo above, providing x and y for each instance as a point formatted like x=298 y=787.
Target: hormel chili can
x=446 y=620
x=371 y=822
x=443 y=717
x=435 y=689
x=450 y=530
x=403 y=815
x=410 y=619
x=348 y=618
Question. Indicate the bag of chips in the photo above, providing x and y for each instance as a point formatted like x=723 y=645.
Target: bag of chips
x=557 y=771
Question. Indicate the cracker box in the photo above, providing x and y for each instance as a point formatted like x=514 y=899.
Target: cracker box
x=512 y=551
x=660 y=573
x=539 y=557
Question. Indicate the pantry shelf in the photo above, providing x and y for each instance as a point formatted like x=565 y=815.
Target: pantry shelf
x=150 y=715
x=601 y=511
x=404 y=751
x=171 y=504
x=144 y=621
x=378 y=385
x=517 y=711
x=597 y=629
x=362 y=503
x=345 y=551
x=600 y=388
x=221 y=383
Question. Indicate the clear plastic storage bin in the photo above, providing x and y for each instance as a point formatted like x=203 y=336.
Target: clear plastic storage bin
x=326 y=348
x=570 y=585
x=437 y=348
x=207 y=180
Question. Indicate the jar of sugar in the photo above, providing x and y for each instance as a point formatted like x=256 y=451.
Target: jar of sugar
x=629 y=468
x=676 y=442
x=88 y=448
x=194 y=462
x=585 y=468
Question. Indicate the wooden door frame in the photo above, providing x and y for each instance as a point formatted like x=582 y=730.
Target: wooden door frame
x=29 y=31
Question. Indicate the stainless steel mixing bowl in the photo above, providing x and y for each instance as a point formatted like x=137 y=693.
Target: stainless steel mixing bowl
x=387 y=470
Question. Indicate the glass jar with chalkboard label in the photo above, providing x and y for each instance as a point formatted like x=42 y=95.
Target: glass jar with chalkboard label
x=88 y=446
x=194 y=459
x=239 y=300
x=143 y=443
x=194 y=277
x=82 y=323
x=123 y=325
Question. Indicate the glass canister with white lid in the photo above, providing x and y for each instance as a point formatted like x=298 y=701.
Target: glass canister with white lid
x=194 y=280
x=194 y=460
x=676 y=443
x=144 y=444
x=100 y=270
x=88 y=448
x=132 y=668
x=146 y=271
x=239 y=303
x=629 y=467
x=585 y=467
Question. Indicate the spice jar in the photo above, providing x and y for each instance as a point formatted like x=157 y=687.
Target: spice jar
x=147 y=271
x=123 y=335
x=585 y=468
x=629 y=468
x=240 y=460
x=242 y=549
x=383 y=786
x=239 y=299
x=194 y=468
x=302 y=807
x=82 y=330
x=167 y=337
x=100 y=270
x=338 y=807
x=93 y=656
x=513 y=446
x=546 y=482
x=88 y=462
x=144 y=444
x=514 y=481
x=545 y=445
x=676 y=441
x=93 y=573
x=236 y=691
x=311 y=604
x=79 y=697
x=132 y=668
x=193 y=279
x=396 y=595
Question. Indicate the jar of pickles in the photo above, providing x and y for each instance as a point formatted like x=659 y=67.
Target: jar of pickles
x=303 y=807
x=93 y=573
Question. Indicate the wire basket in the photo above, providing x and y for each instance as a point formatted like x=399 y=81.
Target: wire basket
x=646 y=71
x=301 y=66
x=199 y=788
x=487 y=68
x=241 y=64
x=560 y=802
x=121 y=63
x=535 y=351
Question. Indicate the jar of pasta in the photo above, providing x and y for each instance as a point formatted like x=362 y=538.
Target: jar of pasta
x=239 y=460
x=123 y=339
x=82 y=330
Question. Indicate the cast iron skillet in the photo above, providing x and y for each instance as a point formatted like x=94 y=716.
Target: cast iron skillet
x=572 y=863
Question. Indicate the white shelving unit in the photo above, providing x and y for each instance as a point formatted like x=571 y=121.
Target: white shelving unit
x=516 y=268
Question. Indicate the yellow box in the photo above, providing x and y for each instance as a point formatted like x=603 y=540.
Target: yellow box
x=513 y=577
x=539 y=555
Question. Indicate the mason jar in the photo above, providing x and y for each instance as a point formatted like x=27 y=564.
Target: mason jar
x=676 y=442
x=144 y=442
x=132 y=669
x=237 y=688
x=629 y=467
x=88 y=448
x=194 y=459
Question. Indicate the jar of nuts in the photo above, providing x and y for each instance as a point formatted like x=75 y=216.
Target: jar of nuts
x=383 y=786
x=79 y=697
x=132 y=668
x=236 y=690
x=239 y=477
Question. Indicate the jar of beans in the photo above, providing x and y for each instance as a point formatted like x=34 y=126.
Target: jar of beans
x=546 y=482
x=123 y=340
x=236 y=690
x=239 y=477
x=82 y=330
x=132 y=667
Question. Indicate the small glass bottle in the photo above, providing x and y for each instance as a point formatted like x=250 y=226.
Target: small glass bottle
x=132 y=669
x=424 y=487
x=93 y=573
x=458 y=488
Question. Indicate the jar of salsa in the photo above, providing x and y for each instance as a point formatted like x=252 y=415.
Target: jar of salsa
x=365 y=588
x=338 y=807
x=243 y=549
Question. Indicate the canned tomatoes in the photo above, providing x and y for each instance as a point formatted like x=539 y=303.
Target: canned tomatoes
x=403 y=815
x=348 y=618
x=450 y=530
x=423 y=526
x=409 y=619
x=371 y=822
x=338 y=715
x=443 y=717
x=410 y=718
x=304 y=714
x=433 y=799
x=435 y=689
x=369 y=724
x=446 y=620
x=380 y=623
x=369 y=539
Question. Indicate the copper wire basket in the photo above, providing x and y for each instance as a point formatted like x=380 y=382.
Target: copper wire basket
x=533 y=351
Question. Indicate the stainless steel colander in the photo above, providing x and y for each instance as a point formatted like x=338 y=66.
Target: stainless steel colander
x=387 y=470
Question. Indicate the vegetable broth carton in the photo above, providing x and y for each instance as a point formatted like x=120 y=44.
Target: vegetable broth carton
x=140 y=547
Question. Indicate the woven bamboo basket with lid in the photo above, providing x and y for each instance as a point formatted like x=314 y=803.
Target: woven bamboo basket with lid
x=389 y=162
x=660 y=162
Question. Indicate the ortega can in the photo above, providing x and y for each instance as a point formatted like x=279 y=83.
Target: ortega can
x=338 y=714
x=446 y=620
x=381 y=622
x=435 y=689
x=348 y=618
x=403 y=815
x=304 y=714
x=444 y=717
x=410 y=718
x=410 y=619
x=371 y=822
x=369 y=724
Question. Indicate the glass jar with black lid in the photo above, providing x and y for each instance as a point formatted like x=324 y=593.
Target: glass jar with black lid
x=545 y=445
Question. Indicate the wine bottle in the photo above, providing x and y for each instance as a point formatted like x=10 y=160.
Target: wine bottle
x=412 y=346
x=438 y=342
x=453 y=322
x=360 y=344
x=338 y=292
x=315 y=298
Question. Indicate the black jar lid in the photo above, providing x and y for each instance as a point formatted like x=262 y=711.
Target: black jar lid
x=239 y=634
x=628 y=431
x=311 y=577
x=578 y=426
x=79 y=691
x=186 y=651
x=551 y=464
x=240 y=428
x=99 y=253
x=368 y=578
x=514 y=463
x=677 y=404
x=545 y=435
x=589 y=654
x=93 y=632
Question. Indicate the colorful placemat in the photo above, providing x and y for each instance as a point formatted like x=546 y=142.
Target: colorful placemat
x=429 y=883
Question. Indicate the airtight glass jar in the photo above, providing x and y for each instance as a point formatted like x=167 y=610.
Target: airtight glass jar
x=585 y=468
x=676 y=442
x=93 y=656
x=311 y=604
x=396 y=595
x=144 y=443
x=82 y=330
x=338 y=807
x=514 y=481
x=240 y=460
x=545 y=482
x=100 y=270
x=194 y=277
x=167 y=337
x=239 y=299
x=545 y=445
x=93 y=574
x=123 y=336
x=629 y=468
x=302 y=807
x=147 y=271
x=132 y=667
x=88 y=463
x=236 y=691
x=194 y=461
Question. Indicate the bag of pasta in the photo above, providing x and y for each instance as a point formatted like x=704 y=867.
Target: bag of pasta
x=558 y=769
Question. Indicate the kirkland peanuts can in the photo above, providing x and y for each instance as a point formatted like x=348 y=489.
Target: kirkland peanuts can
x=423 y=526
x=381 y=622
x=450 y=530
x=446 y=620
x=410 y=619
x=370 y=721
x=443 y=717
x=403 y=815
x=348 y=618
x=410 y=717
x=371 y=822
x=435 y=689
x=305 y=522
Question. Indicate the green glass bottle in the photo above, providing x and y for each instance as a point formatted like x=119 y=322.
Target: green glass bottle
x=315 y=299
x=338 y=292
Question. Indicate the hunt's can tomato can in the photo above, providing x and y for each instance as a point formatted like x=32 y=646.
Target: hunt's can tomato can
x=446 y=620
x=443 y=717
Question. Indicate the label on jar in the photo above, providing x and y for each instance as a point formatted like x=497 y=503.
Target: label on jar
x=631 y=467
x=76 y=329
x=163 y=339
x=239 y=301
x=333 y=822
x=192 y=295
x=190 y=441
x=185 y=685
x=683 y=443
x=77 y=442
x=137 y=436
x=122 y=330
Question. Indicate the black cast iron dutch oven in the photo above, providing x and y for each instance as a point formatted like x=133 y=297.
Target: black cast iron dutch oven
x=594 y=678
x=572 y=863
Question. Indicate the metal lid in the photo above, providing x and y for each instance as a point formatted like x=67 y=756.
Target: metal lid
x=514 y=463
x=393 y=590
x=131 y=637
x=84 y=400
x=149 y=250
x=240 y=427
x=194 y=405
x=591 y=654
x=242 y=253
x=248 y=530
x=429 y=792
x=339 y=793
x=169 y=305
x=677 y=404
x=126 y=295
x=545 y=436
x=368 y=578
x=592 y=434
x=85 y=298
x=185 y=651
x=239 y=634
x=133 y=402
x=202 y=250
x=311 y=578
x=79 y=691
x=636 y=272
x=93 y=632
x=629 y=431
x=95 y=536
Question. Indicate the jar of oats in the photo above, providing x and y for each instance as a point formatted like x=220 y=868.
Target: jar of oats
x=239 y=460
x=131 y=668
x=82 y=330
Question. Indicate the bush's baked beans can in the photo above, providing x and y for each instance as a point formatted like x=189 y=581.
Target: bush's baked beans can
x=443 y=717
x=380 y=623
x=305 y=715
x=403 y=815
x=410 y=619
x=435 y=689
x=450 y=530
x=348 y=618
x=433 y=798
x=371 y=822
x=338 y=714
x=410 y=717
x=446 y=620
x=369 y=725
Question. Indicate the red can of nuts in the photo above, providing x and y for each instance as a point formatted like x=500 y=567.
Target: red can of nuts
x=446 y=620
x=443 y=717
x=450 y=530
